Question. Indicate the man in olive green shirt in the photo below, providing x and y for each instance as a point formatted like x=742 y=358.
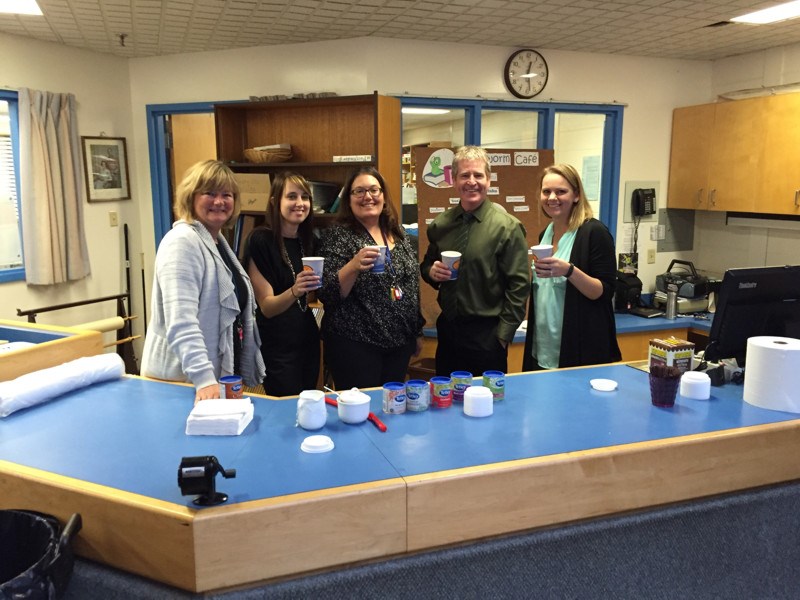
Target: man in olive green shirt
x=483 y=307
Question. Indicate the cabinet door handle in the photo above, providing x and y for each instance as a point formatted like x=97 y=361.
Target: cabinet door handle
x=712 y=197
x=699 y=196
x=797 y=198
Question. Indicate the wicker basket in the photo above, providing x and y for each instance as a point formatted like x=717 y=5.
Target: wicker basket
x=267 y=156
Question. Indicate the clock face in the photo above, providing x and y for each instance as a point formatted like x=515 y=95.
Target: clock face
x=525 y=73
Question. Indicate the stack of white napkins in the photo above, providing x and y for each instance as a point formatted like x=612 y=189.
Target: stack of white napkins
x=219 y=417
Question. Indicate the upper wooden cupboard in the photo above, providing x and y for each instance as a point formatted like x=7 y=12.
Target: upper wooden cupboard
x=318 y=129
x=716 y=157
x=780 y=182
x=737 y=156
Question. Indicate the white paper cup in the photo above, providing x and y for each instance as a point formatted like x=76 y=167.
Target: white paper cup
x=452 y=260
x=542 y=251
x=314 y=263
x=379 y=266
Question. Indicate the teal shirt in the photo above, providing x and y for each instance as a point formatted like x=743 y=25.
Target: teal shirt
x=493 y=278
x=548 y=296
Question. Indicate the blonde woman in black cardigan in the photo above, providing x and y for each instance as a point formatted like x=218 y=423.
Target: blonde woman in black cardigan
x=571 y=315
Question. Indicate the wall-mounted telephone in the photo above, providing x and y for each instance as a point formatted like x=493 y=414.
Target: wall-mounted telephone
x=643 y=202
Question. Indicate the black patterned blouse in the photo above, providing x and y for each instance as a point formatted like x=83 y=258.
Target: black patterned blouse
x=370 y=313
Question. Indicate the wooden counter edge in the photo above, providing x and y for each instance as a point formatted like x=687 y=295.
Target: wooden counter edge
x=50 y=354
x=218 y=547
x=142 y=535
x=300 y=533
x=483 y=501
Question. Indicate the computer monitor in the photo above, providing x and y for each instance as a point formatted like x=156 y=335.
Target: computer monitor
x=753 y=302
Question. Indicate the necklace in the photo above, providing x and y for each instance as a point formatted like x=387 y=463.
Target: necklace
x=301 y=305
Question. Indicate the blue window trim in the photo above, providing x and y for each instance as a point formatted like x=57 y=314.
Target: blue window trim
x=17 y=273
x=612 y=136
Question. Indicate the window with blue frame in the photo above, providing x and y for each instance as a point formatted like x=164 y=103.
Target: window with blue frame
x=11 y=265
x=588 y=136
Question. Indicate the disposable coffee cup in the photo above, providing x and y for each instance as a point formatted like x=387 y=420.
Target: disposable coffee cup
x=542 y=251
x=379 y=266
x=452 y=261
x=314 y=263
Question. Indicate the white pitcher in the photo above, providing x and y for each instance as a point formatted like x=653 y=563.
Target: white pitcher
x=311 y=413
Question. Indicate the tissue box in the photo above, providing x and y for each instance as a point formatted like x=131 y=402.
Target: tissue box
x=672 y=352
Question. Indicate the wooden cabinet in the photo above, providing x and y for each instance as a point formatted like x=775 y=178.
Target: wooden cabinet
x=318 y=130
x=717 y=156
x=692 y=132
x=781 y=177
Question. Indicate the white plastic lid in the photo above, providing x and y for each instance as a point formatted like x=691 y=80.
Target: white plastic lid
x=603 y=385
x=314 y=444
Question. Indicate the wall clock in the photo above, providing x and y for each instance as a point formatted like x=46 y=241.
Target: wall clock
x=525 y=73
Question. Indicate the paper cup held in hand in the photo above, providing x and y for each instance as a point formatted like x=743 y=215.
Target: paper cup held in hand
x=542 y=251
x=452 y=260
x=314 y=263
x=379 y=266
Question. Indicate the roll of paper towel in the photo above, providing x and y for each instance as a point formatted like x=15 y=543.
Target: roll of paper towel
x=772 y=373
x=44 y=385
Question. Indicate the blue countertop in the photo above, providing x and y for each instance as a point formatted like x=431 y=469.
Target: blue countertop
x=627 y=323
x=129 y=434
x=25 y=334
x=632 y=323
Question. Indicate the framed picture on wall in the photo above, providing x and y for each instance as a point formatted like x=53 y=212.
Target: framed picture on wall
x=105 y=163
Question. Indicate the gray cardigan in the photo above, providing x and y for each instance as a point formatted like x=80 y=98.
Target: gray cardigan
x=194 y=305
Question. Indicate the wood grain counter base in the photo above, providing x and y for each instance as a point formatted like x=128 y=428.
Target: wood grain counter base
x=223 y=546
x=468 y=504
x=78 y=343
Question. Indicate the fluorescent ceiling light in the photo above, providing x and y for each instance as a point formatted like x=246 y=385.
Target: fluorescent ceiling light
x=410 y=110
x=20 y=7
x=782 y=12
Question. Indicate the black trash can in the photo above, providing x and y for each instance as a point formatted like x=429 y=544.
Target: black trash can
x=36 y=558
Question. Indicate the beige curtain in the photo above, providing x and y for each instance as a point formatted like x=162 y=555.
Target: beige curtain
x=54 y=240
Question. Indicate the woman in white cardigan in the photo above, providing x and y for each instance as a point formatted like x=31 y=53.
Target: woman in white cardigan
x=202 y=325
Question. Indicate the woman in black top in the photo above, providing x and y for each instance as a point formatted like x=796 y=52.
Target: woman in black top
x=289 y=333
x=372 y=323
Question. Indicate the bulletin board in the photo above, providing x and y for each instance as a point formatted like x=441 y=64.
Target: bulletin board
x=514 y=186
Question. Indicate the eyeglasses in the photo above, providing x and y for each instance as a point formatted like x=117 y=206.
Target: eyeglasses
x=359 y=193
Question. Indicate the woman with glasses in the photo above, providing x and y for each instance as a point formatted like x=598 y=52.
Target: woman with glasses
x=274 y=262
x=372 y=324
x=571 y=316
